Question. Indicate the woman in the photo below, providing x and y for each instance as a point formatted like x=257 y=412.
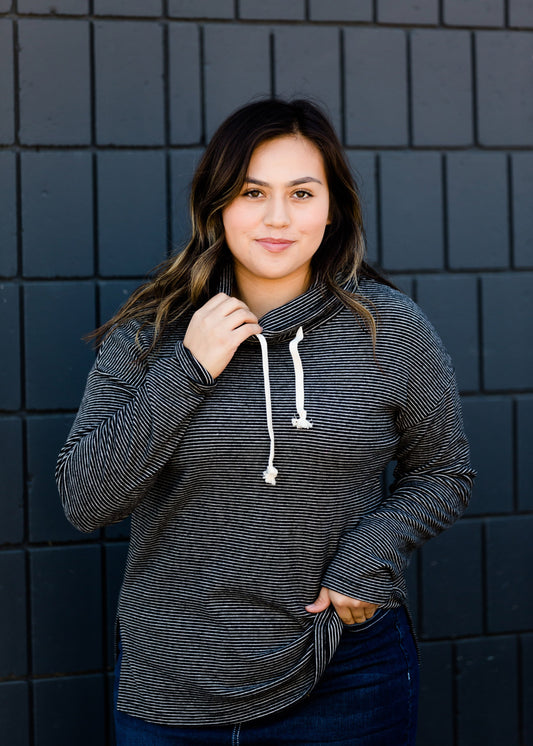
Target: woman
x=242 y=408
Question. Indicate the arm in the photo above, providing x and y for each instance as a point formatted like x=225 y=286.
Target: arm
x=130 y=421
x=433 y=482
x=133 y=415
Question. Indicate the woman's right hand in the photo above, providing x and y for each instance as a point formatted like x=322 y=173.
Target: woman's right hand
x=217 y=329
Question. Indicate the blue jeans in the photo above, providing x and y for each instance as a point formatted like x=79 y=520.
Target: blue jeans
x=368 y=696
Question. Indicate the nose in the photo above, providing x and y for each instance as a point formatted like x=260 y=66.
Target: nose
x=277 y=212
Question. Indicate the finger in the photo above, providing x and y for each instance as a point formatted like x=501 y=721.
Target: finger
x=322 y=602
x=243 y=332
x=231 y=304
x=238 y=317
x=213 y=302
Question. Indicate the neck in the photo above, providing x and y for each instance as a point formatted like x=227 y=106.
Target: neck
x=263 y=295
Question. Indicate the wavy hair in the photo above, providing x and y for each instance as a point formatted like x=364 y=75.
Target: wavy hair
x=186 y=281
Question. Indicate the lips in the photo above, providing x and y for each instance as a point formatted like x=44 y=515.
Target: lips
x=274 y=245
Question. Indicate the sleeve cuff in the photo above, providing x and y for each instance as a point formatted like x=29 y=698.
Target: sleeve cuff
x=193 y=369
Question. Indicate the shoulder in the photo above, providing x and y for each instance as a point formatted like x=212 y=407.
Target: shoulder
x=407 y=344
x=123 y=351
x=399 y=317
x=391 y=304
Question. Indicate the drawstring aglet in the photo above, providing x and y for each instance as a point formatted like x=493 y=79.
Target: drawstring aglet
x=270 y=474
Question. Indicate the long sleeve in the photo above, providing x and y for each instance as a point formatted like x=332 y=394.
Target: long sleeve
x=130 y=421
x=432 y=487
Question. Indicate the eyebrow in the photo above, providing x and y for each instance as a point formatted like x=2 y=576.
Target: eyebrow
x=296 y=182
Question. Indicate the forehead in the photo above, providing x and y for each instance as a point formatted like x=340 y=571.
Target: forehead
x=291 y=155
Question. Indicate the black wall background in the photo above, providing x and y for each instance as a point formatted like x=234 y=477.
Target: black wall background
x=105 y=106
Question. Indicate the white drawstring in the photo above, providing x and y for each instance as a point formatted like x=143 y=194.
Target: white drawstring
x=270 y=474
x=300 y=422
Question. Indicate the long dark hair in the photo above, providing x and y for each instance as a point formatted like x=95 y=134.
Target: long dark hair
x=186 y=281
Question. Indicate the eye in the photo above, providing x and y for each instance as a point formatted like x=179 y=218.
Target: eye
x=302 y=194
x=252 y=193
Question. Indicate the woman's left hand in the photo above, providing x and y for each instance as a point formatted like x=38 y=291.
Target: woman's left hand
x=350 y=610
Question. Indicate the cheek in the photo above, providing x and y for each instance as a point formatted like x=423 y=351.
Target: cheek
x=316 y=221
x=237 y=219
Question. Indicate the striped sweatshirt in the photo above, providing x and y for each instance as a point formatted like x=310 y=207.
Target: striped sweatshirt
x=221 y=562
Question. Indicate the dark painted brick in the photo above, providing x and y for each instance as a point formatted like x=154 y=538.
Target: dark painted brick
x=487 y=692
x=232 y=80
x=115 y=562
x=524 y=410
x=128 y=7
x=278 y=9
x=504 y=84
x=66 y=604
x=527 y=687
x=54 y=82
x=509 y=562
x=68 y=7
x=183 y=164
x=14 y=713
x=436 y=698
x=5 y=6
x=477 y=210
x=441 y=87
x=129 y=83
x=7 y=112
x=132 y=219
x=119 y=530
x=340 y=10
x=57 y=361
x=201 y=8
x=10 y=377
x=405 y=283
x=489 y=427
x=11 y=482
x=13 y=655
x=113 y=294
x=364 y=168
x=376 y=86
x=47 y=522
x=57 y=214
x=521 y=13
x=308 y=65
x=8 y=215
x=184 y=84
x=456 y=322
x=411 y=211
x=408 y=11
x=452 y=580
x=507 y=327
x=474 y=12
x=70 y=710
x=522 y=169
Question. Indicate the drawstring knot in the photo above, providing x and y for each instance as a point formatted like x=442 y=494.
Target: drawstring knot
x=270 y=474
x=301 y=422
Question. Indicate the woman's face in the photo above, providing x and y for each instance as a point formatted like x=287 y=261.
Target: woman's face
x=277 y=222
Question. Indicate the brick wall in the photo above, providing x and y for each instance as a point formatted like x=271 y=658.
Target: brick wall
x=105 y=106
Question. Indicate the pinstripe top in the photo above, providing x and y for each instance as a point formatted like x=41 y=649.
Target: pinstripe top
x=221 y=564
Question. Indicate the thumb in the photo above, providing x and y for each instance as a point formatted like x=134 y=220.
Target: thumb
x=321 y=603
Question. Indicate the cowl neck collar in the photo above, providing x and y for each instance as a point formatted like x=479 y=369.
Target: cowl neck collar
x=312 y=308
